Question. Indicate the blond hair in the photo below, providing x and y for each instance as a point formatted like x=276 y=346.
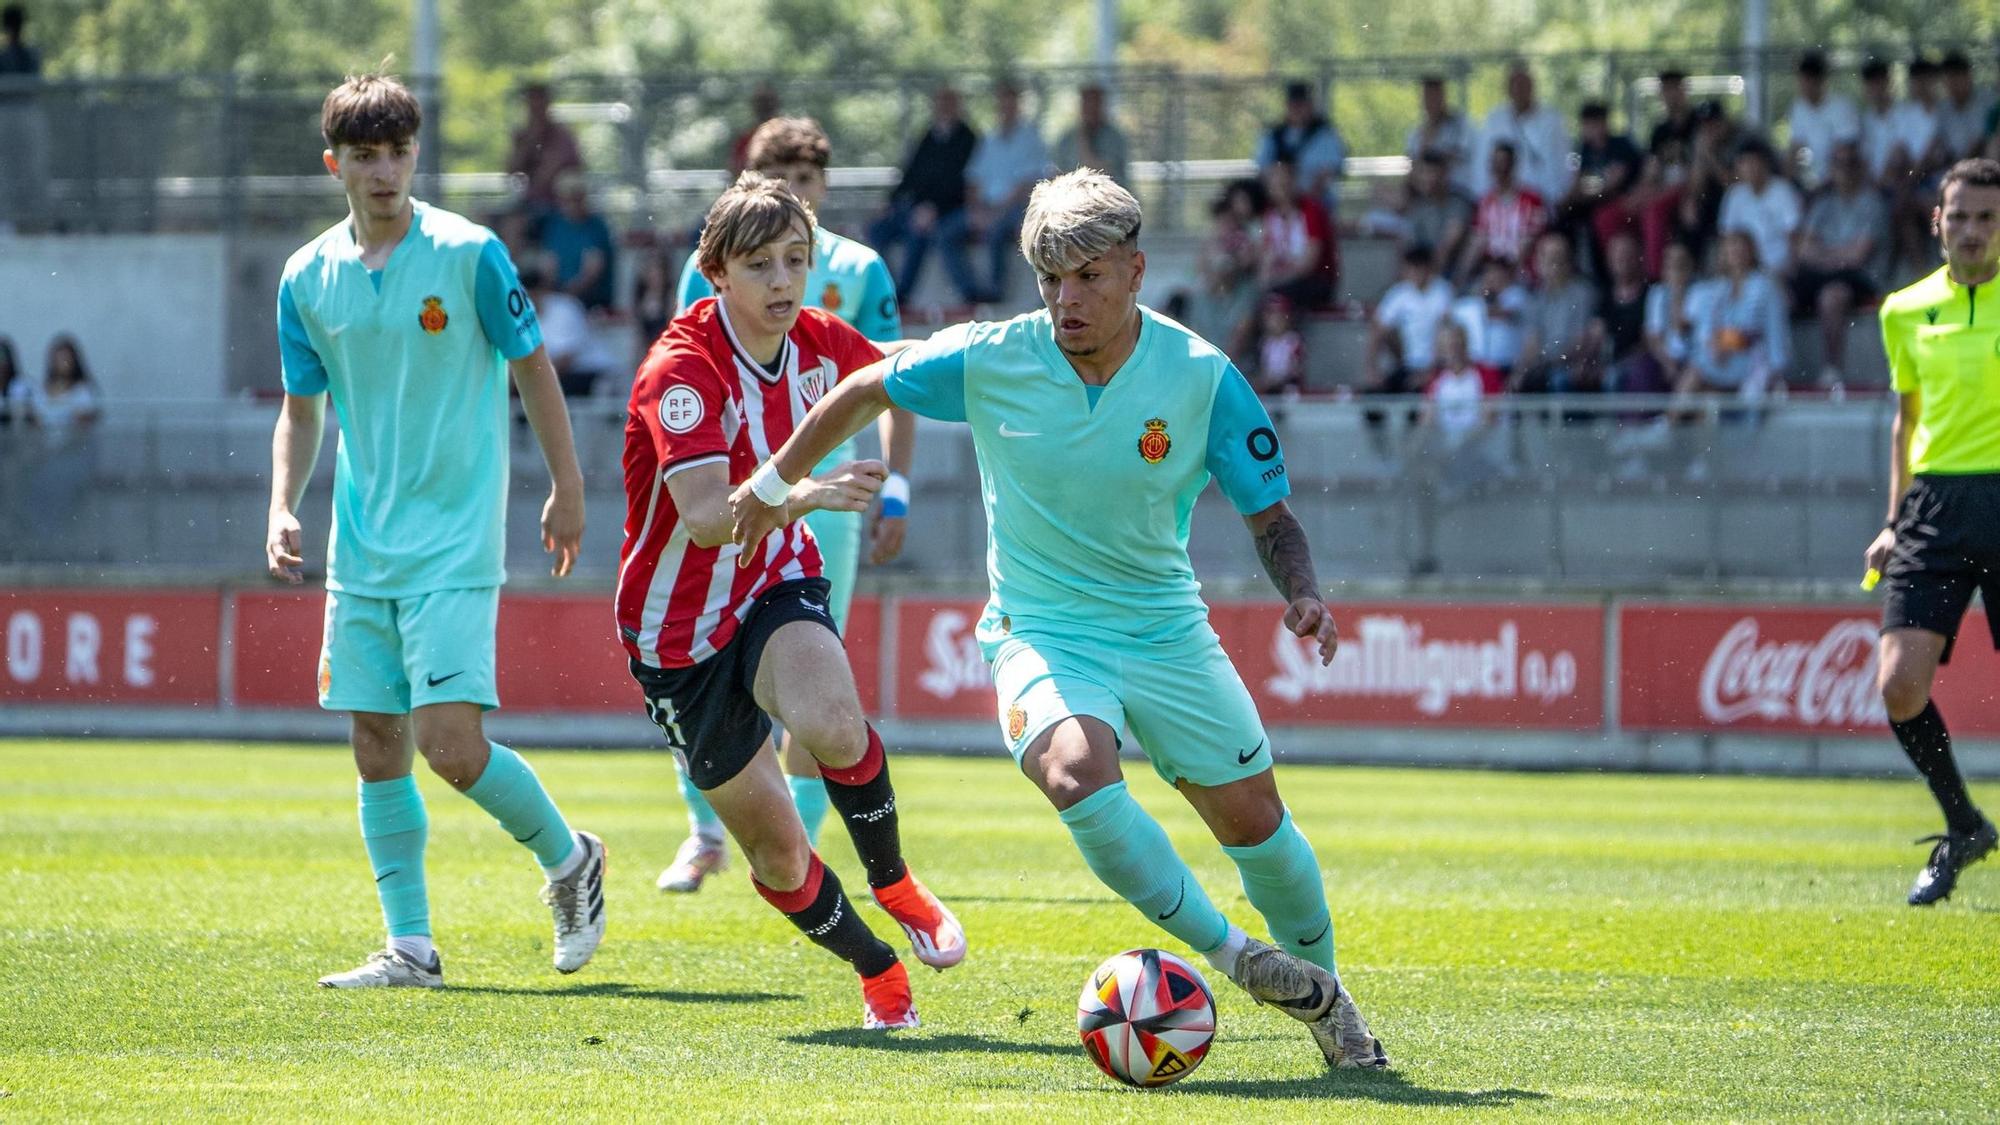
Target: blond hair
x=755 y=210
x=1076 y=218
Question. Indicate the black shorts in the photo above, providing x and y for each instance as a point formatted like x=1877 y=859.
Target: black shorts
x=1947 y=546
x=1807 y=284
x=706 y=710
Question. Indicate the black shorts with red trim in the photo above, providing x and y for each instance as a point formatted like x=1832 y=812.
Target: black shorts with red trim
x=1947 y=547
x=707 y=710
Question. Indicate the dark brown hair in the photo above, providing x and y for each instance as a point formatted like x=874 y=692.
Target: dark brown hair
x=787 y=140
x=1976 y=172
x=369 y=109
x=754 y=211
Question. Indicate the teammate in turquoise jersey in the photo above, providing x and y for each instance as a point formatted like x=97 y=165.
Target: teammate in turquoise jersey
x=411 y=319
x=851 y=281
x=1096 y=423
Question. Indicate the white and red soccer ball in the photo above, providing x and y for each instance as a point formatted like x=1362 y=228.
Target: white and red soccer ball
x=1146 y=1017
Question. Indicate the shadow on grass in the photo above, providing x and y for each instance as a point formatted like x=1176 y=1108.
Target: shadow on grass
x=925 y=1044
x=1386 y=1087
x=1039 y=900
x=619 y=990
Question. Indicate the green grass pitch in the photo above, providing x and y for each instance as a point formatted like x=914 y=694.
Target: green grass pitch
x=1528 y=946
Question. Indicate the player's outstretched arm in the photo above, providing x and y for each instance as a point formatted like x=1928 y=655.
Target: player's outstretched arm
x=548 y=416
x=294 y=452
x=1281 y=546
x=759 y=504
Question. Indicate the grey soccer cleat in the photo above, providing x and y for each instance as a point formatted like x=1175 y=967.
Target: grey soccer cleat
x=577 y=902
x=1294 y=986
x=1345 y=1040
x=386 y=968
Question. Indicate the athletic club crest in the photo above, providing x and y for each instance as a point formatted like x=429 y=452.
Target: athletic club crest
x=829 y=297
x=1154 y=443
x=433 y=317
x=1017 y=722
x=814 y=384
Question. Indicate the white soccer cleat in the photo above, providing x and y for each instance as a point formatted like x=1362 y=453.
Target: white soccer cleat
x=697 y=860
x=577 y=902
x=1345 y=1040
x=1293 y=985
x=387 y=968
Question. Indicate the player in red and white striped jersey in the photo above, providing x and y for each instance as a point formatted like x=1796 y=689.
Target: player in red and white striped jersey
x=720 y=642
x=1508 y=220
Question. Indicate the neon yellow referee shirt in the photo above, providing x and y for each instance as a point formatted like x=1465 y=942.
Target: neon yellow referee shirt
x=1943 y=341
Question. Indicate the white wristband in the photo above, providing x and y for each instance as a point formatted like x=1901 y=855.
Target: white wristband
x=896 y=488
x=768 y=486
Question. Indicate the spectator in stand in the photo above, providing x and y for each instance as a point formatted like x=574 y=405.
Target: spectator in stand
x=1963 y=111
x=17 y=392
x=1308 y=142
x=1762 y=205
x=1883 y=149
x=1509 y=218
x=1840 y=249
x=1922 y=158
x=580 y=358
x=1299 y=258
x=1741 y=337
x=1095 y=141
x=1229 y=263
x=1711 y=170
x=1621 y=307
x=931 y=190
x=1923 y=115
x=1444 y=133
x=1006 y=163
x=1562 y=340
x=1281 y=356
x=67 y=404
x=1435 y=217
x=1537 y=135
x=1820 y=119
x=655 y=295
x=1403 y=335
x=66 y=407
x=1672 y=139
x=24 y=130
x=543 y=149
x=764 y=105
x=1608 y=167
x=1458 y=410
x=1492 y=315
x=1669 y=326
x=580 y=243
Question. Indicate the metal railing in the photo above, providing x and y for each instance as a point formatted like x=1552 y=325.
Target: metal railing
x=1607 y=491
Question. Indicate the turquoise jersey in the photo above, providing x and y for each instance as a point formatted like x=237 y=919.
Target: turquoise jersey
x=414 y=356
x=1088 y=502
x=848 y=280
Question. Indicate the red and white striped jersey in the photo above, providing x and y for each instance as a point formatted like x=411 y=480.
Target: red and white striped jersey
x=699 y=399
x=1507 y=225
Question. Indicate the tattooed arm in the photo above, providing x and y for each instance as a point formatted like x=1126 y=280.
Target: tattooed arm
x=1281 y=546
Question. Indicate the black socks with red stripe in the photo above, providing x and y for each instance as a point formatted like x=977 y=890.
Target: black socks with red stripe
x=822 y=911
x=867 y=805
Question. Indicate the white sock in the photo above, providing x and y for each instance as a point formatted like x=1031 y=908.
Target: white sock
x=570 y=862
x=1223 y=957
x=415 y=947
x=710 y=834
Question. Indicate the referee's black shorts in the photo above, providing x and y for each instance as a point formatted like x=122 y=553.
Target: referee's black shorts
x=1947 y=546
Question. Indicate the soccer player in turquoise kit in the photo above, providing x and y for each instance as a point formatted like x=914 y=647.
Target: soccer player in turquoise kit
x=411 y=319
x=1096 y=423
x=852 y=282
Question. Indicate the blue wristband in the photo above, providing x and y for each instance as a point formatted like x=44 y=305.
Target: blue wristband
x=895 y=497
x=893 y=509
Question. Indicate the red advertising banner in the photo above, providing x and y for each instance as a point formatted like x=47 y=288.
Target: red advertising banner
x=1426 y=664
x=1399 y=664
x=276 y=647
x=85 y=646
x=1781 y=669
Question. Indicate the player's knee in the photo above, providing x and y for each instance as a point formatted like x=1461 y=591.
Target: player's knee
x=458 y=761
x=780 y=862
x=1903 y=695
x=832 y=740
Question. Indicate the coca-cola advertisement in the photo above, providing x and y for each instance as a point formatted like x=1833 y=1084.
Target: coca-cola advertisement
x=1781 y=669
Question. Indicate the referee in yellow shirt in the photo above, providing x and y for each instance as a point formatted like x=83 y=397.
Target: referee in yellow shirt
x=1942 y=541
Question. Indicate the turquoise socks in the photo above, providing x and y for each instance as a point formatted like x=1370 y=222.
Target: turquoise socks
x=809 y=794
x=394 y=828
x=702 y=820
x=1130 y=852
x=1281 y=878
x=513 y=795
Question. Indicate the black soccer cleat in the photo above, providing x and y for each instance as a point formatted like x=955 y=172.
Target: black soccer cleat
x=1954 y=853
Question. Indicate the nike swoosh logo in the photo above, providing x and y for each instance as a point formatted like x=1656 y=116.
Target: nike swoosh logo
x=1317 y=938
x=1009 y=431
x=386 y=874
x=1179 y=901
x=1310 y=1002
x=436 y=680
x=1243 y=759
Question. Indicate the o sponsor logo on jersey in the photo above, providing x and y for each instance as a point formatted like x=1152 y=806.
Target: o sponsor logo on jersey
x=681 y=409
x=829 y=297
x=1017 y=722
x=1262 y=443
x=1154 y=444
x=433 y=317
x=814 y=384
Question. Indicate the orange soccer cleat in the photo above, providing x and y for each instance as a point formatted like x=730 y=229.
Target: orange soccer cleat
x=935 y=935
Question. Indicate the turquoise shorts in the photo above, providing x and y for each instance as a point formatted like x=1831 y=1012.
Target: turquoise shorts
x=1187 y=707
x=839 y=535
x=391 y=656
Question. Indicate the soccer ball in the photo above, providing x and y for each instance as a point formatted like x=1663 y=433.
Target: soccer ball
x=1146 y=1017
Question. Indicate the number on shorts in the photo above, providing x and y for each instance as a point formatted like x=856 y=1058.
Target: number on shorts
x=669 y=722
